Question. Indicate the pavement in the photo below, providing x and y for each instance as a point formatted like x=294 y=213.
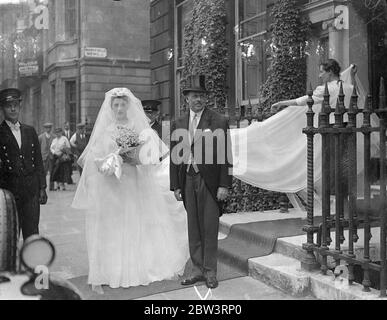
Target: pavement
x=65 y=227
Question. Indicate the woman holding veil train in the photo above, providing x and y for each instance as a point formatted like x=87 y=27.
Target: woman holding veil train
x=134 y=236
x=275 y=157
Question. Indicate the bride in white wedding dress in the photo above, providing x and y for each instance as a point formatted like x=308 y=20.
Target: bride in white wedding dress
x=135 y=230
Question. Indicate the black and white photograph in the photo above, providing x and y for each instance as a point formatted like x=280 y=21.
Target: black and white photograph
x=206 y=151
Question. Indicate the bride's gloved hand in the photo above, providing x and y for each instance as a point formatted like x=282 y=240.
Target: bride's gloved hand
x=222 y=193
x=274 y=107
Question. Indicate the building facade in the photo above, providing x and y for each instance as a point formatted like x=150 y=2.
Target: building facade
x=337 y=31
x=88 y=47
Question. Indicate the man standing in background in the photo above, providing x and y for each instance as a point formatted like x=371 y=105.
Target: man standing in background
x=45 y=140
x=151 y=108
x=67 y=133
x=79 y=142
x=22 y=171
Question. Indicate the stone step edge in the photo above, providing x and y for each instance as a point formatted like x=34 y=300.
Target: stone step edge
x=297 y=252
x=285 y=273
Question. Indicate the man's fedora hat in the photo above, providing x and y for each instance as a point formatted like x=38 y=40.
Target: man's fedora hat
x=195 y=83
x=10 y=94
x=48 y=125
x=80 y=125
x=150 y=105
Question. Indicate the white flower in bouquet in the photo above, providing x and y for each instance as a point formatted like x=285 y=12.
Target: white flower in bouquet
x=128 y=141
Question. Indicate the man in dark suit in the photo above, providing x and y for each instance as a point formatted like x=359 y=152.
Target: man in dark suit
x=68 y=134
x=45 y=140
x=151 y=108
x=22 y=171
x=200 y=176
x=78 y=143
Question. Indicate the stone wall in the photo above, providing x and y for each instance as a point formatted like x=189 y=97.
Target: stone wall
x=98 y=77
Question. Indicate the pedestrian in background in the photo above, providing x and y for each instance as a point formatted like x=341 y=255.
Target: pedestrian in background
x=151 y=108
x=61 y=150
x=45 y=140
x=68 y=134
x=78 y=143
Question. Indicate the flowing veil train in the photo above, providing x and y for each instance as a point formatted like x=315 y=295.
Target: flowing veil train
x=272 y=154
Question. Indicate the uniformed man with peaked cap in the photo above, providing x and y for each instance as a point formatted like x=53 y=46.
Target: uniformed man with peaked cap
x=151 y=108
x=22 y=170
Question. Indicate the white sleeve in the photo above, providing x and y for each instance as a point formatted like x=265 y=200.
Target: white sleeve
x=318 y=97
x=53 y=146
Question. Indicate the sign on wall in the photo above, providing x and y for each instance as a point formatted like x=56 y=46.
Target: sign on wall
x=29 y=68
x=95 y=52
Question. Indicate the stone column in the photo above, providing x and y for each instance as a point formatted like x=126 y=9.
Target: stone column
x=339 y=46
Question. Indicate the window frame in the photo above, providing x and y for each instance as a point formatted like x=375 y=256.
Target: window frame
x=261 y=35
x=70 y=19
x=71 y=106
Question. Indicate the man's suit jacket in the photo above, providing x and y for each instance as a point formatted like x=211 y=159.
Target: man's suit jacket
x=17 y=162
x=205 y=152
x=158 y=128
x=45 y=144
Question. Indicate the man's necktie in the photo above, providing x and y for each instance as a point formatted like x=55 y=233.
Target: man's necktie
x=192 y=129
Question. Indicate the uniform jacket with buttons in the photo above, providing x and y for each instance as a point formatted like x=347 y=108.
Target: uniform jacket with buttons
x=158 y=128
x=17 y=162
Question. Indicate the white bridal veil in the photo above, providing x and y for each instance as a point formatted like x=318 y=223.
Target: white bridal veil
x=272 y=154
x=152 y=150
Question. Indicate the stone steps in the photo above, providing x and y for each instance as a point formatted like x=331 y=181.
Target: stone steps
x=285 y=273
x=282 y=269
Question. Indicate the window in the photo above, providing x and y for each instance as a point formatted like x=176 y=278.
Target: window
x=323 y=48
x=70 y=19
x=53 y=101
x=251 y=48
x=71 y=104
x=51 y=10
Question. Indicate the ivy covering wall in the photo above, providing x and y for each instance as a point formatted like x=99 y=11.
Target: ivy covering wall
x=205 y=52
x=287 y=70
x=206 y=49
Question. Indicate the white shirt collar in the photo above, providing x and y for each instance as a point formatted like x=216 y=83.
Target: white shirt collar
x=13 y=125
x=192 y=114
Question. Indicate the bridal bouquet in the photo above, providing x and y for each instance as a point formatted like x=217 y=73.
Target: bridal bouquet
x=128 y=142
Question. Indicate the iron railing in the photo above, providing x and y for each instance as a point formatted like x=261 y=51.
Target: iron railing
x=345 y=142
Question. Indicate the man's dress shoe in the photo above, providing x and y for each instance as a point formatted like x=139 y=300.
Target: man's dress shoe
x=211 y=282
x=192 y=280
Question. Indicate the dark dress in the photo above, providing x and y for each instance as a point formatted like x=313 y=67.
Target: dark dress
x=61 y=171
